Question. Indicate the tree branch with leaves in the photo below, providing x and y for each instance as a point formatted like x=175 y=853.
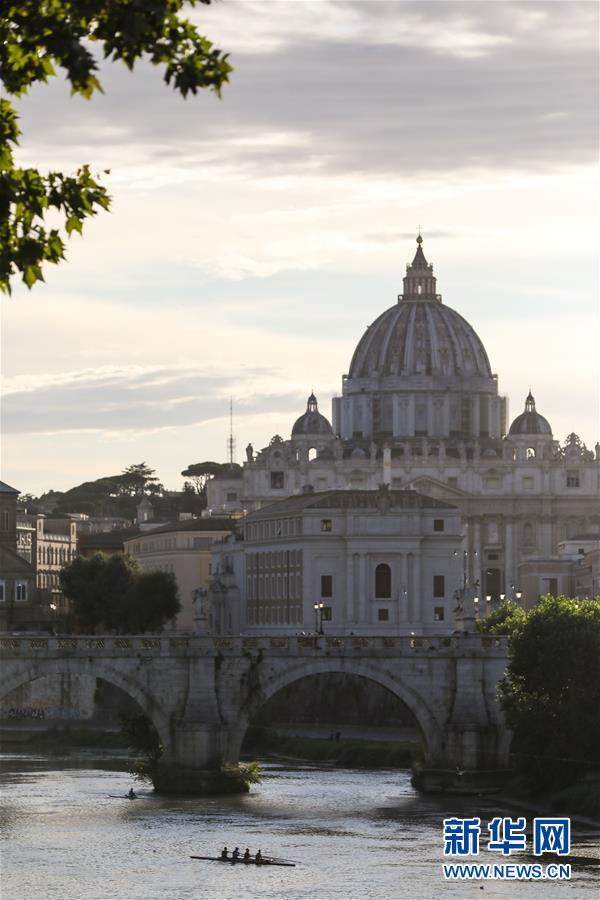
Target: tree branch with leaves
x=40 y=37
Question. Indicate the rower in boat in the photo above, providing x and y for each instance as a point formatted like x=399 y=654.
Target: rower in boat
x=258 y=858
x=236 y=853
x=224 y=853
x=247 y=855
x=131 y=795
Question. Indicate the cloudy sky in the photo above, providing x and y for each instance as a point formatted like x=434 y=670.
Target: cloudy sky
x=252 y=238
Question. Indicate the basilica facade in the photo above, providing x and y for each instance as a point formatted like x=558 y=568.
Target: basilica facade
x=420 y=411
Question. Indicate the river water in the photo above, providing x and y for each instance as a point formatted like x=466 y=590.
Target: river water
x=355 y=834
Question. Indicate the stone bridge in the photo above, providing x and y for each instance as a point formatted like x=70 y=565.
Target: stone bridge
x=202 y=692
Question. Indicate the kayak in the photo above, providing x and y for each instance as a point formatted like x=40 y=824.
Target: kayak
x=246 y=862
x=122 y=797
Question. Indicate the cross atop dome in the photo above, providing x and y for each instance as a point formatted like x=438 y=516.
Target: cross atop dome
x=419 y=281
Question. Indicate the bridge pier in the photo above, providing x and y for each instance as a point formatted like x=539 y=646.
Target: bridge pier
x=194 y=762
x=474 y=758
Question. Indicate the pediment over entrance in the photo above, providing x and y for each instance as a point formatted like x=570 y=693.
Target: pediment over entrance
x=431 y=487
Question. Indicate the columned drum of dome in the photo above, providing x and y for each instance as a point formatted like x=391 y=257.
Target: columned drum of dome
x=419 y=370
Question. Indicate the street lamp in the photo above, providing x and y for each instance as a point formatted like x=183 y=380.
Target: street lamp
x=319 y=617
x=515 y=594
x=467 y=603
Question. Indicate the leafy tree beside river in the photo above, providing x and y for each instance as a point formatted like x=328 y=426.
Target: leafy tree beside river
x=551 y=691
x=112 y=593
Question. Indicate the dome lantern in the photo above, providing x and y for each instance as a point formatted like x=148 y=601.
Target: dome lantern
x=419 y=281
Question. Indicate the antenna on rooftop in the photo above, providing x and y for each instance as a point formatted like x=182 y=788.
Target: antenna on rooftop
x=231 y=439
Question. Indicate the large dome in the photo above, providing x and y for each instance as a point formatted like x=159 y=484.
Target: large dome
x=419 y=370
x=420 y=337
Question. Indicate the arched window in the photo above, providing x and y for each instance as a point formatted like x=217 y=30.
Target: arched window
x=312 y=453
x=383 y=581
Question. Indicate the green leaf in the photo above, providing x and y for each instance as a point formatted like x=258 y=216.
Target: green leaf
x=73 y=224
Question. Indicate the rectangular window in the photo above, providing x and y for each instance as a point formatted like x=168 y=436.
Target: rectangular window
x=325 y=524
x=21 y=591
x=438 y=613
x=327 y=614
x=2 y=592
x=277 y=480
x=552 y=586
x=527 y=483
x=438 y=524
x=326 y=585
x=439 y=586
x=492 y=482
x=383 y=615
x=572 y=479
x=231 y=496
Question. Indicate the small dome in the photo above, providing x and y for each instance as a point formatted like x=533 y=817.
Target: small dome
x=312 y=422
x=530 y=421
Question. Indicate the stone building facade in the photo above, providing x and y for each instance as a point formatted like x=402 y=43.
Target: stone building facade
x=182 y=549
x=345 y=562
x=48 y=543
x=420 y=410
x=19 y=604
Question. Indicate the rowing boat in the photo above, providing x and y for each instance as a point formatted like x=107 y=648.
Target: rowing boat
x=246 y=862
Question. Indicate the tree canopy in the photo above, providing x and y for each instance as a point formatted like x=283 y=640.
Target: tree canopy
x=112 y=593
x=551 y=692
x=506 y=618
x=38 y=38
x=138 y=478
x=199 y=473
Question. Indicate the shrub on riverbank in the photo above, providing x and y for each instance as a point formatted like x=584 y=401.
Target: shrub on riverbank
x=344 y=753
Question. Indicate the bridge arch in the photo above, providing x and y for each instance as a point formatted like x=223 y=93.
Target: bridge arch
x=31 y=670
x=430 y=728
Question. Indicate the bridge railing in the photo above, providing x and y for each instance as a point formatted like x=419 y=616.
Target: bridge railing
x=12 y=646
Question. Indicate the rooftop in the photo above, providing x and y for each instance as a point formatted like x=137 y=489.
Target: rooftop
x=398 y=500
